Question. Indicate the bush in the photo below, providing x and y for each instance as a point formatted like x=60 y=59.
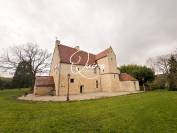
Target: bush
x=5 y=83
x=155 y=86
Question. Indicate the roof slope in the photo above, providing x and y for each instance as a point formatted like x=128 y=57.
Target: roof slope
x=126 y=77
x=101 y=54
x=78 y=57
x=44 y=81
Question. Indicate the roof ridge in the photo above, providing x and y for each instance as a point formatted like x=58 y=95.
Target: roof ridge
x=76 y=49
x=102 y=54
x=103 y=51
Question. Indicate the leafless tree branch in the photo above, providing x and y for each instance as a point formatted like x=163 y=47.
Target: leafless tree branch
x=38 y=58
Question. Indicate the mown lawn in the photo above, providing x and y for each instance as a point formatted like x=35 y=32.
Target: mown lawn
x=138 y=113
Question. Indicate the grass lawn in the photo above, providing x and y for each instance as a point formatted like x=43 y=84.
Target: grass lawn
x=138 y=113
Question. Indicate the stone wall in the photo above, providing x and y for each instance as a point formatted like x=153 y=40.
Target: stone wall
x=43 y=91
x=89 y=80
x=129 y=86
x=55 y=68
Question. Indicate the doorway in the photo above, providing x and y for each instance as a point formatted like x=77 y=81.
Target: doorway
x=81 y=88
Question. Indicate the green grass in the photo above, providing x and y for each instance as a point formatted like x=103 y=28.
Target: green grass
x=151 y=112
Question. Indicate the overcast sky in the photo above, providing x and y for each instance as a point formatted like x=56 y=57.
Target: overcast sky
x=136 y=29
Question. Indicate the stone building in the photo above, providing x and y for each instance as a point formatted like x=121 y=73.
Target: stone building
x=82 y=72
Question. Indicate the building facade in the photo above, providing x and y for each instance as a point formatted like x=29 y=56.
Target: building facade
x=83 y=72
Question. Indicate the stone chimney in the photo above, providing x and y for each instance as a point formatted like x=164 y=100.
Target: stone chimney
x=57 y=42
x=77 y=47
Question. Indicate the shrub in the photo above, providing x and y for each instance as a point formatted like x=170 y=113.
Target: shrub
x=155 y=86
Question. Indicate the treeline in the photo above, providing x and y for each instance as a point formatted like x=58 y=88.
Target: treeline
x=161 y=72
x=5 y=83
x=25 y=61
x=166 y=68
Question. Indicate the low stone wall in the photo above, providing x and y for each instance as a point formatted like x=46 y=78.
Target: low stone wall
x=43 y=91
x=129 y=86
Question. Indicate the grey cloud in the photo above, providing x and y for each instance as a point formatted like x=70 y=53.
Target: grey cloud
x=136 y=29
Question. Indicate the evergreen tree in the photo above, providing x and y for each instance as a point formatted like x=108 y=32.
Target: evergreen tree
x=23 y=75
x=1 y=83
x=172 y=73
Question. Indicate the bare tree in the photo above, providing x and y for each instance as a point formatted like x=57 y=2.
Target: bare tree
x=175 y=53
x=159 y=64
x=38 y=58
x=151 y=64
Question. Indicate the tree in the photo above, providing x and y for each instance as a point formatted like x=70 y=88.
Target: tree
x=1 y=83
x=159 y=64
x=23 y=77
x=37 y=58
x=162 y=67
x=5 y=83
x=142 y=73
x=172 y=72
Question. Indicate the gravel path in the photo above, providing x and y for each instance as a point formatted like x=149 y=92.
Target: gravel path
x=85 y=96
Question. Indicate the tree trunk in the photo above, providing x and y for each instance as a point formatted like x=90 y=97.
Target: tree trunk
x=33 y=81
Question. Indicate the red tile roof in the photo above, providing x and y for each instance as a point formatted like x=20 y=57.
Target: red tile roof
x=44 y=81
x=79 y=57
x=101 y=54
x=126 y=77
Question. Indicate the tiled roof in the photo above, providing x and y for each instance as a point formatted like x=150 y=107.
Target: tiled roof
x=101 y=55
x=126 y=77
x=44 y=81
x=80 y=57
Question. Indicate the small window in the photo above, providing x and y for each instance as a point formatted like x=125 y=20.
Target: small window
x=103 y=70
x=72 y=80
x=96 y=83
x=114 y=76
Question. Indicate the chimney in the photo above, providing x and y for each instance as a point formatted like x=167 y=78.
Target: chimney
x=77 y=47
x=57 y=42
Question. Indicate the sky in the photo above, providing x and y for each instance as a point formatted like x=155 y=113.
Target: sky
x=136 y=29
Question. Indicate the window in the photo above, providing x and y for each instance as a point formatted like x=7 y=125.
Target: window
x=114 y=76
x=72 y=80
x=96 y=83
